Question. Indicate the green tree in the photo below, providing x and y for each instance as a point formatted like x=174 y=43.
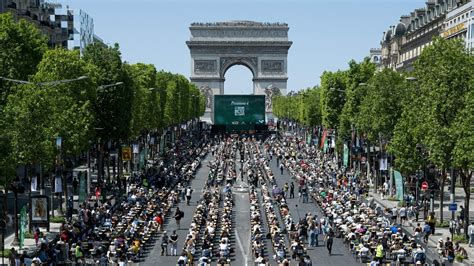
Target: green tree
x=145 y=108
x=444 y=71
x=358 y=75
x=464 y=147
x=21 y=48
x=71 y=115
x=381 y=107
x=162 y=79
x=113 y=105
x=332 y=97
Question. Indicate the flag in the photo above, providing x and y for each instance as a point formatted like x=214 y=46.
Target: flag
x=58 y=184
x=323 y=139
x=34 y=183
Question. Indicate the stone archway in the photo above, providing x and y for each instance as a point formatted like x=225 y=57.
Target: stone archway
x=261 y=47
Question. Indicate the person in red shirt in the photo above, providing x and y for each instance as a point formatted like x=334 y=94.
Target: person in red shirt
x=159 y=220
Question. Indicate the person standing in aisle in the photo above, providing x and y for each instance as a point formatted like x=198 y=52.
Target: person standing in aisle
x=292 y=190
x=189 y=192
x=173 y=239
x=329 y=240
x=164 y=244
x=281 y=168
x=177 y=216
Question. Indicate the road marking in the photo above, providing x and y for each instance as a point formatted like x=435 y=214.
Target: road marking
x=241 y=247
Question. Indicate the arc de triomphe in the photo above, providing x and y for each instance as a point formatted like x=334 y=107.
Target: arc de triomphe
x=216 y=47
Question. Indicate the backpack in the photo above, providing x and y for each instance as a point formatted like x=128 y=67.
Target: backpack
x=181 y=213
x=427 y=229
x=420 y=256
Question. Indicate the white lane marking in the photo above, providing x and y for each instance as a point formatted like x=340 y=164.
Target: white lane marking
x=241 y=247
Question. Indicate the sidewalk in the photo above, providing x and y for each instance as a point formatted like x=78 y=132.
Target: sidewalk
x=433 y=240
x=29 y=243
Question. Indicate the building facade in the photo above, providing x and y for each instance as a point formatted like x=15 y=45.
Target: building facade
x=459 y=23
x=402 y=44
x=64 y=27
x=375 y=56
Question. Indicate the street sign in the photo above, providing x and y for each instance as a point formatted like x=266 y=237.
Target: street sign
x=424 y=185
x=453 y=207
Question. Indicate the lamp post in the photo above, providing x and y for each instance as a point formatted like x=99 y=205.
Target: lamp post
x=100 y=155
x=2 y=227
x=335 y=131
x=16 y=188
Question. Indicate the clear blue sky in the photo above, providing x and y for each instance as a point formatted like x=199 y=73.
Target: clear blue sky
x=326 y=34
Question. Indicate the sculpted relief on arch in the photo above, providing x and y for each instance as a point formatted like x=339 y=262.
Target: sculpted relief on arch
x=208 y=96
x=270 y=91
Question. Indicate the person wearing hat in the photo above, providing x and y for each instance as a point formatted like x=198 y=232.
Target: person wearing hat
x=440 y=247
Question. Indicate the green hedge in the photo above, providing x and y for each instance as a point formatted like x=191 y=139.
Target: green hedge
x=460 y=238
x=29 y=235
x=444 y=224
x=6 y=253
x=459 y=257
x=392 y=198
x=57 y=219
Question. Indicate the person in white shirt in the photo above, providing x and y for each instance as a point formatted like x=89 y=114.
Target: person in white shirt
x=470 y=231
x=403 y=214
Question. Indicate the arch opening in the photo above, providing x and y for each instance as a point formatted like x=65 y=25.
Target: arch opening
x=238 y=80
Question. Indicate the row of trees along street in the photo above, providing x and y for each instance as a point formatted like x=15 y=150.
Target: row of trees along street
x=419 y=120
x=93 y=99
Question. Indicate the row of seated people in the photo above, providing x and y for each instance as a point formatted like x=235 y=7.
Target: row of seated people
x=277 y=235
x=202 y=230
x=297 y=232
x=257 y=231
x=256 y=227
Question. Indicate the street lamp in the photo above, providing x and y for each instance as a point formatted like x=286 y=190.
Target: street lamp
x=338 y=90
x=101 y=87
x=100 y=159
x=3 y=225
x=411 y=79
x=47 y=83
x=16 y=188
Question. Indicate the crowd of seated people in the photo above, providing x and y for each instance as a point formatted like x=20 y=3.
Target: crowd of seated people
x=121 y=229
x=368 y=233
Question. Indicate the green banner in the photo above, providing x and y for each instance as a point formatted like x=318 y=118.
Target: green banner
x=142 y=159
x=398 y=184
x=326 y=146
x=82 y=187
x=345 y=157
x=23 y=228
x=239 y=110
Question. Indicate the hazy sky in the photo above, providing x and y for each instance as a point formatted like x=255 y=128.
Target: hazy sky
x=326 y=34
